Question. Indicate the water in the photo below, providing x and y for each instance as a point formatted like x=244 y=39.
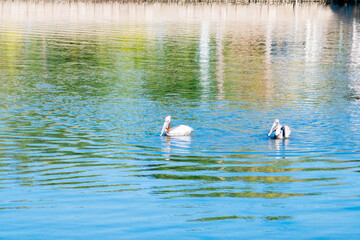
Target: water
x=85 y=88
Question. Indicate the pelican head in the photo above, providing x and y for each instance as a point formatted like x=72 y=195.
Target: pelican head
x=166 y=126
x=275 y=126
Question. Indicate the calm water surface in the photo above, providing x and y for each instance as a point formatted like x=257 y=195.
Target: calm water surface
x=85 y=89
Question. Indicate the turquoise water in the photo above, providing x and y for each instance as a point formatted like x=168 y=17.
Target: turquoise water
x=85 y=89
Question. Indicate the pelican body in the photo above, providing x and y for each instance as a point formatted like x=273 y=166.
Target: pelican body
x=279 y=130
x=180 y=130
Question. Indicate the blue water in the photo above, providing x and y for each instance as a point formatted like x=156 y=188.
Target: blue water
x=85 y=89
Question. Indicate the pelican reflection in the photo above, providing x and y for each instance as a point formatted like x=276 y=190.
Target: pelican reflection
x=278 y=144
x=176 y=144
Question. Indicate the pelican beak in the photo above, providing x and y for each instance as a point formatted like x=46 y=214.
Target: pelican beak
x=165 y=126
x=273 y=128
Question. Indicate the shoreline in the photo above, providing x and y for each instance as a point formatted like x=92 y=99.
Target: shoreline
x=85 y=11
x=183 y=2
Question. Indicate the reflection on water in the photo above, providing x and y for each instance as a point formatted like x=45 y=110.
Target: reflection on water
x=85 y=88
x=278 y=144
x=178 y=144
x=268 y=218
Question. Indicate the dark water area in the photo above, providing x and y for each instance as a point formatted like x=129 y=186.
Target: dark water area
x=85 y=88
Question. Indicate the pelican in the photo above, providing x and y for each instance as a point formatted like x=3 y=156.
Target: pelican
x=181 y=130
x=280 y=131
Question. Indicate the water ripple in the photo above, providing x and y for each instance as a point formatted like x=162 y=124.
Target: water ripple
x=85 y=88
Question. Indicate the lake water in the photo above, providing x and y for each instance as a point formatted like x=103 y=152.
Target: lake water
x=85 y=88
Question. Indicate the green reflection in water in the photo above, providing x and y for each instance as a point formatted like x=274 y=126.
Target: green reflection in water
x=269 y=218
x=259 y=179
x=166 y=77
x=69 y=183
x=248 y=194
x=69 y=177
x=197 y=189
x=265 y=169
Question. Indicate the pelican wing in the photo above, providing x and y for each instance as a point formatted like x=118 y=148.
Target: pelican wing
x=181 y=130
x=286 y=131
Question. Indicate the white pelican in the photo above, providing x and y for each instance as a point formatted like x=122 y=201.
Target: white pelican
x=181 y=130
x=280 y=131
